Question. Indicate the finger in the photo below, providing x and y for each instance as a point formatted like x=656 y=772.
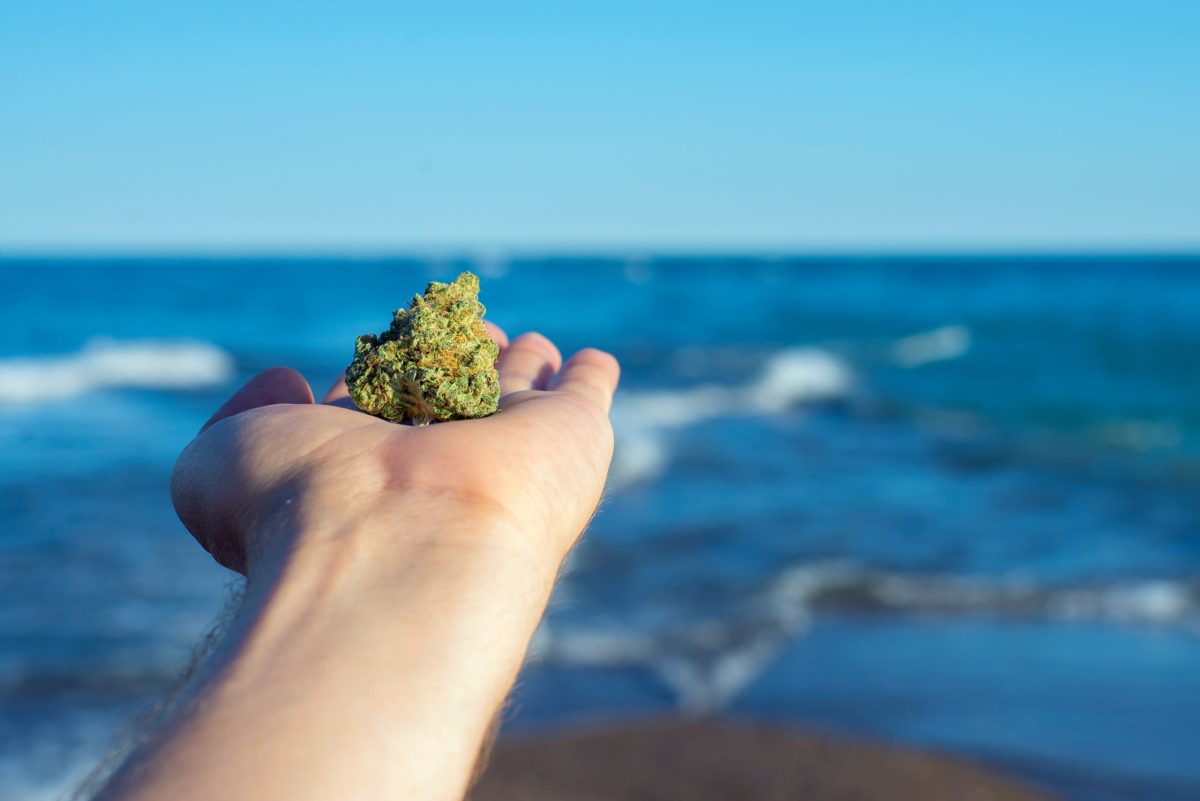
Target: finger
x=336 y=392
x=496 y=333
x=529 y=362
x=277 y=385
x=592 y=375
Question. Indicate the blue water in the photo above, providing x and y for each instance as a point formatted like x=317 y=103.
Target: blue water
x=951 y=502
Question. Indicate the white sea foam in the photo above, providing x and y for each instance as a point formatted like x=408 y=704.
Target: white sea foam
x=105 y=364
x=707 y=662
x=706 y=685
x=790 y=378
x=1168 y=602
x=1142 y=435
x=1157 y=602
x=939 y=345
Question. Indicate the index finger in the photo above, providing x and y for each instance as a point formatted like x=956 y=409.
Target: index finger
x=336 y=392
x=496 y=333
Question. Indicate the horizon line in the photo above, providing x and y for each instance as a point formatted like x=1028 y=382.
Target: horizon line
x=632 y=251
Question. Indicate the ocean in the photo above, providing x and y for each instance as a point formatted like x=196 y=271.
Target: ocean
x=950 y=502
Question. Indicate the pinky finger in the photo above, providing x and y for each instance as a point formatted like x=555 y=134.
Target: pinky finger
x=592 y=375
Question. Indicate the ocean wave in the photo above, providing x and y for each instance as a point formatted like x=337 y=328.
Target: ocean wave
x=789 y=378
x=707 y=662
x=53 y=776
x=1140 y=435
x=941 y=344
x=841 y=586
x=107 y=364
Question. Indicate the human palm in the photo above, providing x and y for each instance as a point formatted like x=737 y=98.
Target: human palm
x=272 y=463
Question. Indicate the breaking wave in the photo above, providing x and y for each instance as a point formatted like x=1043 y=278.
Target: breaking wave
x=707 y=662
x=106 y=364
x=790 y=378
x=845 y=586
x=939 y=345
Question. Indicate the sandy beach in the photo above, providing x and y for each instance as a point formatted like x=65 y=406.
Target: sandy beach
x=670 y=760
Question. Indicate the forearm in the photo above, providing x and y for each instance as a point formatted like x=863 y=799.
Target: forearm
x=365 y=665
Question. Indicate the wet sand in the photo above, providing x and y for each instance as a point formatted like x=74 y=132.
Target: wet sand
x=703 y=760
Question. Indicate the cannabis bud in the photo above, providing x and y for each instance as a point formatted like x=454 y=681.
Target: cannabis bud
x=436 y=361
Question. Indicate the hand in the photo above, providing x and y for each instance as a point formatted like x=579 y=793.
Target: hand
x=394 y=578
x=273 y=471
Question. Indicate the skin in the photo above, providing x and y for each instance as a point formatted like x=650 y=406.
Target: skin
x=394 y=577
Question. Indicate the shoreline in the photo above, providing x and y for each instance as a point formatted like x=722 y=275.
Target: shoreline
x=720 y=760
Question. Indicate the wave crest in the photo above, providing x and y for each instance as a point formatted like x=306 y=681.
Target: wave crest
x=107 y=364
x=707 y=662
x=789 y=378
x=939 y=345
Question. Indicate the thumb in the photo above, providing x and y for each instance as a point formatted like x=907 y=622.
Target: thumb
x=276 y=385
x=203 y=484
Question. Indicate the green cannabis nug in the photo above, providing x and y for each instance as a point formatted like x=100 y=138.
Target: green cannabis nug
x=436 y=362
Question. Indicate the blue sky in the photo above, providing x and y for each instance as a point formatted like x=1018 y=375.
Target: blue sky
x=761 y=126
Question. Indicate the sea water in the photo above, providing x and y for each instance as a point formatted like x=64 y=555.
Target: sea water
x=951 y=502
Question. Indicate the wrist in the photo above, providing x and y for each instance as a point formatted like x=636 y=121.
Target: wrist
x=462 y=589
x=411 y=659
x=420 y=632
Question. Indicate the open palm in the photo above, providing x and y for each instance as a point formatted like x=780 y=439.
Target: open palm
x=272 y=462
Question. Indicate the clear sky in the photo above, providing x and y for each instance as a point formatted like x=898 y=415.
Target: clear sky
x=146 y=124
